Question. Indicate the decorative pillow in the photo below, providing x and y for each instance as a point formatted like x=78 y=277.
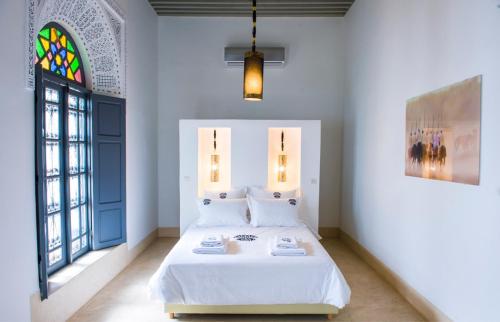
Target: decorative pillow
x=262 y=193
x=274 y=212
x=236 y=193
x=222 y=212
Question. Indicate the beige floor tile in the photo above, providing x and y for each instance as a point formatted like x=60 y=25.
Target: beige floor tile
x=125 y=297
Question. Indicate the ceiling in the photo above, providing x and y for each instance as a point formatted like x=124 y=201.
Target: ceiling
x=265 y=8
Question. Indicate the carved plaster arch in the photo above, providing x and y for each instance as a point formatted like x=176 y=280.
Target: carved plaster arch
x=98 y=28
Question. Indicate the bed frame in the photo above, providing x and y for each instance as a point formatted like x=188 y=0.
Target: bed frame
x=326 y=309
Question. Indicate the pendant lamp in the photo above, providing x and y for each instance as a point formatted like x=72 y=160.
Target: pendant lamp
x=253 y=75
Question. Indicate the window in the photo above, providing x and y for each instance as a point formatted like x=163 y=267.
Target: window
x=62 y=150
x=68 y=226
x=63 y=147
x=56 y=51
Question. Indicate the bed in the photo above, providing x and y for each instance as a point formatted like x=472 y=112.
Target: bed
x=247 y=279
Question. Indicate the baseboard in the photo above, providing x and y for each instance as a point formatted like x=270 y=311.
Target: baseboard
x=169 y=232
x=68 y=299
x=419 y=302
x=329 y=232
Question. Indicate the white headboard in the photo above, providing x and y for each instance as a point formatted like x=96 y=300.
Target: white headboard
x=249 y=161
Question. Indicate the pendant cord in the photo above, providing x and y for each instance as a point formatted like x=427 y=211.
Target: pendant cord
x=282 y=141
x=215 y=140
x=254 y=25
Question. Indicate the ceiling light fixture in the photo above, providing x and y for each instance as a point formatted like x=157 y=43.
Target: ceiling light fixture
x=253 y=75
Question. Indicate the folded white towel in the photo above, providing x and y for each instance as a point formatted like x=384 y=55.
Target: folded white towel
x=285 y=242
x=212 y=240
x=210 y=249
x=275 y=251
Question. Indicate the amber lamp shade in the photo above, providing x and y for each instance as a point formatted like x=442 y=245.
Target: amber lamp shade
x=214 y=167
x=282 y=162
x=253 y=77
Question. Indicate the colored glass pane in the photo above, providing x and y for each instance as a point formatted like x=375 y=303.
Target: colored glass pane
x=70 y=47
x=55 y=51
x=78 y=76
x=53 y=35
x=45 y=63
x=70 y=75
x=45 y=33
x=75 y=64
x=45 y=44
x=39 y=49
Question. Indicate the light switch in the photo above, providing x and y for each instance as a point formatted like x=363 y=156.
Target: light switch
x=187 y=178
x=314 y=181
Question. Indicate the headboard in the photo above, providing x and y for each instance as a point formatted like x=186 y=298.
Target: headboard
x=247 y=156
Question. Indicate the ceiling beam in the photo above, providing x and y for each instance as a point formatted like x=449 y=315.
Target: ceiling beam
x=281 y=14
x=242 y=7
x=260 y=2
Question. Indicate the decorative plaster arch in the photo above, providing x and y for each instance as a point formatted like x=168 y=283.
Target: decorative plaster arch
x=98 y=28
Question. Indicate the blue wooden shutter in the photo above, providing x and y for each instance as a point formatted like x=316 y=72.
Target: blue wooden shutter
x=108 y=171
x=40 y=189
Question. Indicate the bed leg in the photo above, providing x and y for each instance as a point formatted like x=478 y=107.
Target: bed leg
x=171 y=315
x=330 y=317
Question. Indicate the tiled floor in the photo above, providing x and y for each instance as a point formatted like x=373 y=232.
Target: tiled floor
x=125 y=297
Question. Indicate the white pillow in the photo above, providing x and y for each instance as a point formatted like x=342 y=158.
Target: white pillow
x=227 y=212
x=262 y=193
x=274 y=212
x=235 y=193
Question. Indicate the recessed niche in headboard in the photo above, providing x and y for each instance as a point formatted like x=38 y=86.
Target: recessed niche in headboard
x=214 y=160
x=283 y=169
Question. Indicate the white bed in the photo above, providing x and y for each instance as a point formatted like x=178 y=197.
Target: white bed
x=248 y=274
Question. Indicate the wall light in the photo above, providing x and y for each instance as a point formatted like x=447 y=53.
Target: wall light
x=282 y=160
x=253 y=74
x=214 y=162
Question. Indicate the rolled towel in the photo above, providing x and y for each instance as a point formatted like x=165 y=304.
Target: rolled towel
x=275 y=251
x=285 y=242
x=212 y=240
x=210 y=249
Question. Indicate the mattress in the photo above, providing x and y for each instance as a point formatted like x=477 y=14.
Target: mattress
x=247 y=274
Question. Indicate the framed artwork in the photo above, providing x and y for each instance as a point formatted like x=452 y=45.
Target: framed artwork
x=443 y=133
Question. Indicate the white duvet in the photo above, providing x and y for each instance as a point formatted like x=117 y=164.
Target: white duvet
x=248 y=274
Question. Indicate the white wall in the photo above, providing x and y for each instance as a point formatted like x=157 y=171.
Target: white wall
x=142 y=111
x=18 y=272
x=443 y=238
x=194 y=83
x=18 y=269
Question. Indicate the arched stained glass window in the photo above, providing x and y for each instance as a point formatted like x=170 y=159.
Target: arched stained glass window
x=56 y=51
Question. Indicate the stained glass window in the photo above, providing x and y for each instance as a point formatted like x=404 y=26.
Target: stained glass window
x=56 y=52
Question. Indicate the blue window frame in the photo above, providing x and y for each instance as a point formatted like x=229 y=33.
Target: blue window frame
x=64 y=162
x=64 y=113
x=62 y=169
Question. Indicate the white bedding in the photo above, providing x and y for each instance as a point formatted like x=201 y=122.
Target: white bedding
x=248 y=274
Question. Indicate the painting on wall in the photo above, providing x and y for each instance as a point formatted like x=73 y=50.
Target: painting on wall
x=443 y=133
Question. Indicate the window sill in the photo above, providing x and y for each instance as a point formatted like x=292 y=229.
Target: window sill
x=66 y=274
